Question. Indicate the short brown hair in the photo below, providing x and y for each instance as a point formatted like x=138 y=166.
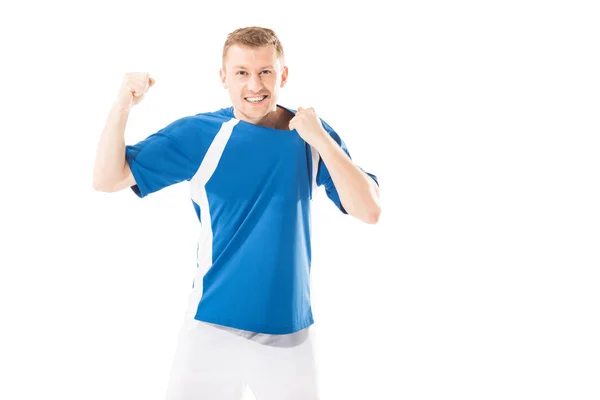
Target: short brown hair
x=253 y=37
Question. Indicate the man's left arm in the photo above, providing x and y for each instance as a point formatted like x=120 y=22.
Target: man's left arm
x=358 y=192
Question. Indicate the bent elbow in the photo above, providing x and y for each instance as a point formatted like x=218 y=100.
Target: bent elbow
x=374 y=217
x=100 y=187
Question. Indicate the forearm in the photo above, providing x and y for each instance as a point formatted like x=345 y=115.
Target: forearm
x=358 y=192
x=110 y=155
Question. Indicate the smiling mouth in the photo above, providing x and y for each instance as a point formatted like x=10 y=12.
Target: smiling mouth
x=255 y=99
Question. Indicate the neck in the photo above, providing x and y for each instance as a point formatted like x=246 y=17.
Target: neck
x=271 y=120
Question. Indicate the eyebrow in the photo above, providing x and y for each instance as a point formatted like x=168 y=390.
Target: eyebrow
x=242 y=67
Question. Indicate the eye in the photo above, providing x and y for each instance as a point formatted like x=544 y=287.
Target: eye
x=240 y=72
x=267 y=71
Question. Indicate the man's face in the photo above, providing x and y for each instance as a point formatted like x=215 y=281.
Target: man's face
x=252 y=73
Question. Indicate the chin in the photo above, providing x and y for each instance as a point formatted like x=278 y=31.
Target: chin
x=259 y=110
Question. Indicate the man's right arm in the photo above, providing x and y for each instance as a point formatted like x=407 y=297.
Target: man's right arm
x=111 y=171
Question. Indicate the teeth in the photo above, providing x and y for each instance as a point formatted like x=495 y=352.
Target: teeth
x=255 y=99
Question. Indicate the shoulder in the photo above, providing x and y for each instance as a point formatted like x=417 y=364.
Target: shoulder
x=331 y=132
x=204 y=120
x=190 y=129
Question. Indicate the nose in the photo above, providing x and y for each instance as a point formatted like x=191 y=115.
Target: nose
x=255 y=83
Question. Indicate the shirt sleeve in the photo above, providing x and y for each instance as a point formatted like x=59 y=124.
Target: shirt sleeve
x=324 y=179
x=161 y=160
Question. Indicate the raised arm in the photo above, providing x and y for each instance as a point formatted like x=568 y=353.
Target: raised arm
x=111 y=170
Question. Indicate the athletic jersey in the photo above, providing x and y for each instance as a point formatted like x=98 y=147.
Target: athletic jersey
x=251 y=187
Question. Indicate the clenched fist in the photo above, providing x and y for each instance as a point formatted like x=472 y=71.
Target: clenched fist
x=308 y=125
x=133 y=88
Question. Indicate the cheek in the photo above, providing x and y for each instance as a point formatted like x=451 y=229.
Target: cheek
x=235 y=89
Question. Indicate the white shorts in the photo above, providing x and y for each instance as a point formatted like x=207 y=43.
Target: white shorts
x=217 y=364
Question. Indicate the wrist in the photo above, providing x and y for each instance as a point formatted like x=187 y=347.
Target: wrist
x=121 y=106
x=325 y=144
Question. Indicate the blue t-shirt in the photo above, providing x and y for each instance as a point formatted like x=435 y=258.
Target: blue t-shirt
x=251 y=188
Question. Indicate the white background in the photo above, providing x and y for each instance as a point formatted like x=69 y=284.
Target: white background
x=480 y=120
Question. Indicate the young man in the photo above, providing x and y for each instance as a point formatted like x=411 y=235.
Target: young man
x=252 y=169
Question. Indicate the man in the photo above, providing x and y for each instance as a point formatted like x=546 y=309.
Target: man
x=252 y=169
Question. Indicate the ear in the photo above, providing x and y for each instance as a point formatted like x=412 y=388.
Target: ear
x=223 y=76
x=284 y=76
